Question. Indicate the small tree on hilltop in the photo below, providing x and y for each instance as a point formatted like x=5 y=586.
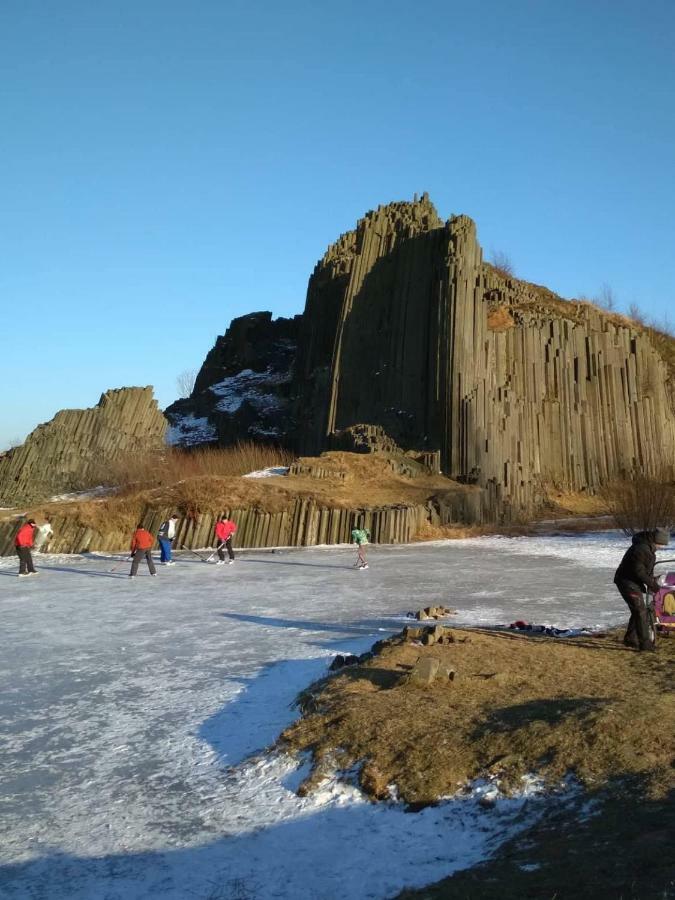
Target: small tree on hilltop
x=606 y=298
x=185 y=382
x=502 y=263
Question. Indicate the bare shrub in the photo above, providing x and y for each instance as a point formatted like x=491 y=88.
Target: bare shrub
x=502 y=263
x=137 y=471
x=12 y=444
x=606 y=298
x=641 y=502
x=185 y=382
x=636 y=314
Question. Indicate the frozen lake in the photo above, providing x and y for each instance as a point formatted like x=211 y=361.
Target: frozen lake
x=133 y=712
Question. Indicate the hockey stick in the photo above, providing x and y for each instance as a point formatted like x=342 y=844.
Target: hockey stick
x=190 y=550
x=121 y=563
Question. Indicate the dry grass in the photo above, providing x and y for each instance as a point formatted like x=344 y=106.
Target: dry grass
x=430 y=532
x=517 y=705
x=500 y=319
x=574 y=503
x=138 y=471
x=362 y=480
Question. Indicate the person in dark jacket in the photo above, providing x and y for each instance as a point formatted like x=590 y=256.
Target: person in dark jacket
x=23 y=543
x=636 y=575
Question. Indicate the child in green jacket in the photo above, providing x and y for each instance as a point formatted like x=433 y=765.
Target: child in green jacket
x=360 y=536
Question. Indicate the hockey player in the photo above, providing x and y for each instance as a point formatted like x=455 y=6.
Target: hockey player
x=360 y=537
x=225 y=530
x=23 y=543
x=43 y=536
x=141 y=543
x=165 y=536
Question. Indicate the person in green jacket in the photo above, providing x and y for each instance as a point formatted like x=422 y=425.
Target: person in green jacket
x=360 y=537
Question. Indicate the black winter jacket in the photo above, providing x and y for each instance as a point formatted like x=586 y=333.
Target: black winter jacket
x=638 y=561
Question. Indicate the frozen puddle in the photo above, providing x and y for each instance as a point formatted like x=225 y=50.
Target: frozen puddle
x=133 y=715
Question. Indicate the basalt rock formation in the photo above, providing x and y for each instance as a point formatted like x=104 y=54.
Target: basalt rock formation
x=70 y=450
x=408 y=334
x=242 y=391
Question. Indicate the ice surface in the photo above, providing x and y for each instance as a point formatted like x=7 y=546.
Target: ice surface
x=133 y=714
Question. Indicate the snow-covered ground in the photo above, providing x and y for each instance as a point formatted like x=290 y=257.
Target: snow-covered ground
x=94 y=493
x=270 y=472
x=133 y=715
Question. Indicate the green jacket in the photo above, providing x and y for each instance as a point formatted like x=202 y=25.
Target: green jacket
x=360 y=535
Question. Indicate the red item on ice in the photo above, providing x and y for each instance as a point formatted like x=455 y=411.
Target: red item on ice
x=142 y=540
x=24 y=536
x=225 y=529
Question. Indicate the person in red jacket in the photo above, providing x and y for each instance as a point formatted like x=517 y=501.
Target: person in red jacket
x=23 y=543
x=141 y=544
x=225 y=529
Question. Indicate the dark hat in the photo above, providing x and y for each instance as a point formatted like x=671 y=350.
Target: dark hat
x=175 y=516
x=661 y=537
x=31 y=522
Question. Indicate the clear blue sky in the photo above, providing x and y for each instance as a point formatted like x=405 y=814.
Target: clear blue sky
x=166 y=165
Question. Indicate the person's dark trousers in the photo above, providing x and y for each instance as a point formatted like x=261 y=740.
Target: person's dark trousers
x=138 y=556
x=165 y=549
x=25 y=560
x=228 y=546
x=637 y=633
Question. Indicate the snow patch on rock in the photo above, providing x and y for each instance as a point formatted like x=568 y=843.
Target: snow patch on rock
x=188 y=430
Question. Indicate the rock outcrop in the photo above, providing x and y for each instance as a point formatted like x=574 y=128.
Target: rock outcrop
x=243 y=390
x=409 y=339
x=69 y=451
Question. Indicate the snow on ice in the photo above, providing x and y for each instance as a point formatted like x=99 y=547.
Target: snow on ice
x=135 y=715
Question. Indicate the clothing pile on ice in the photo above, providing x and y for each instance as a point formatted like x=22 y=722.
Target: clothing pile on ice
x=547 y=629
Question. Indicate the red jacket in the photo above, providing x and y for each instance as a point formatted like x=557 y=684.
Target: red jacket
x=24 y=536
x=225 y=530
x=142 y=540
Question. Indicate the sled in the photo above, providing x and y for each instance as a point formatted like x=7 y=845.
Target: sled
x=664 y=599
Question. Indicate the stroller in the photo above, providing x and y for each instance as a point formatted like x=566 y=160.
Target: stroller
x=664 y=600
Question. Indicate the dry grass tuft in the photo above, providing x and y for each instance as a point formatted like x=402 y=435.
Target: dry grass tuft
x=500 y=319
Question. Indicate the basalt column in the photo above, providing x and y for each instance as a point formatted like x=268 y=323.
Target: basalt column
x=365 y=327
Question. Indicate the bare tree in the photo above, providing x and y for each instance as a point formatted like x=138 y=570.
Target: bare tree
x=185 y=382
x=641 y=502
x=606 y=298
x=502 y=263
x=11 y=444
x=636 y=313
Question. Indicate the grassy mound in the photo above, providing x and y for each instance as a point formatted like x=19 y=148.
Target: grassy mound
x=516 y=705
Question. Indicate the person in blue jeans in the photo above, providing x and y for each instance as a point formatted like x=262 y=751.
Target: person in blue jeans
x=165 y=536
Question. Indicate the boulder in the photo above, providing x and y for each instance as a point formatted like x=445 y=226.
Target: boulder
x=424 y=671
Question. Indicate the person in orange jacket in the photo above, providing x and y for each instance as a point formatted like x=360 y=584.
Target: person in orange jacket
x=225 y=529
x=141 y=544
x=23 y=543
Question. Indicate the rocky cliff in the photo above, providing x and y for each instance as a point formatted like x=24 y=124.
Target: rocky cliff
x=408 y=333
x=243 y=389
x=69 y=451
